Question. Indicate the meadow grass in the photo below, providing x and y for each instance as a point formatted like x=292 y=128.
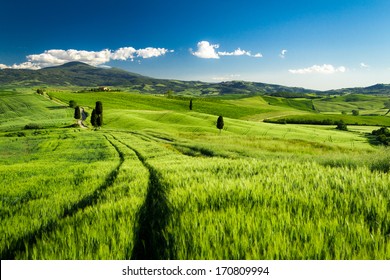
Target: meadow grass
x=282 y=208
x=20 y=109
x=158 y=181
x=103 y=229
x=45 y=183
x=364 y=103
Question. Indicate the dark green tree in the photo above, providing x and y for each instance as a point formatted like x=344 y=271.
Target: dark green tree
x=190 y=104
x=341 y=125
x=99 y=113
x=72 y=104
x=355 y=112
x=94 y=118
x=77 y=113
x=220 y=123
x=99 y=108
x=99 y=120
x=382 y=135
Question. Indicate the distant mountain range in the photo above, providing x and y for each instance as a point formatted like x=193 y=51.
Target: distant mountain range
x=78 y=74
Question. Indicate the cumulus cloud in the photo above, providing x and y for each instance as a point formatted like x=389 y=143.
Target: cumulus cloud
x=239 y=52
x=363 y=65
x=207 y=50
x=124 y=53
x=96 y=58
x=283 y=53
x=320 y=69
x=58 y=57
x=152 y=52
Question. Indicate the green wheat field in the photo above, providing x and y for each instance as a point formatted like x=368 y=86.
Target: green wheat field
x=160 y=181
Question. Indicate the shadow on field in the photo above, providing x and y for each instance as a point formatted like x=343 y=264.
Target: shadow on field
x=28 y=240
x=57 y=107
x=151 y=242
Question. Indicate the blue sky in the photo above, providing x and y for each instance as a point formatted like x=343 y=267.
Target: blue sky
x=313 y=44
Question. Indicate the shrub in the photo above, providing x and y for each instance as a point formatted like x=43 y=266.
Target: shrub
x=382 y=135
x=355 y=112
x=341 y=125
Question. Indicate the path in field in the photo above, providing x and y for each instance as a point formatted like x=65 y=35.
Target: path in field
x=150 y=242
x=32 y=237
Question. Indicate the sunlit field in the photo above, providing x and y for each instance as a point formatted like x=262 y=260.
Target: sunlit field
x=160 y=181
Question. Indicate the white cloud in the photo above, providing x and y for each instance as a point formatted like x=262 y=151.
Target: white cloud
x=152 y=52
x=239 y=52
x=321 y=69
x=283 y=53
x=124 y=53
x=206 y=50
x=363 y=65
x=26 y=65
x=57 y=57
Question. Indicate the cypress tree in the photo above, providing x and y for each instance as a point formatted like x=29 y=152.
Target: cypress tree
x=99 y=120
x=220 y=123
x=77 y=114
x=72 y=104
x=94 y=118
x=99 y=113
x=99 y=108
x=190 y=104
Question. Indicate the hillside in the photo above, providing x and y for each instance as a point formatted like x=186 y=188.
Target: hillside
x=78 y=74
x=159 y=181
x=83 y=75
x=378 y=89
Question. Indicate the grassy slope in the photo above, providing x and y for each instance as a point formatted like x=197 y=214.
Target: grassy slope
x=19 y=109
x=154 y=151
x=371 y=111
x=364 y=103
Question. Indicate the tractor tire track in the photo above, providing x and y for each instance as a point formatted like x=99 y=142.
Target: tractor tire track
x=152 y=242
x=18 y=246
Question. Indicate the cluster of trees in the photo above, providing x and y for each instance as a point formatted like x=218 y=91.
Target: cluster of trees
x=41 y=91
x=382 y=135
x=97 y=115
x=354 y=112
x=302 y=121
x=81 y=114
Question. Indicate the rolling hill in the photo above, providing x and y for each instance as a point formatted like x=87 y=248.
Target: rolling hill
x=78 y=74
